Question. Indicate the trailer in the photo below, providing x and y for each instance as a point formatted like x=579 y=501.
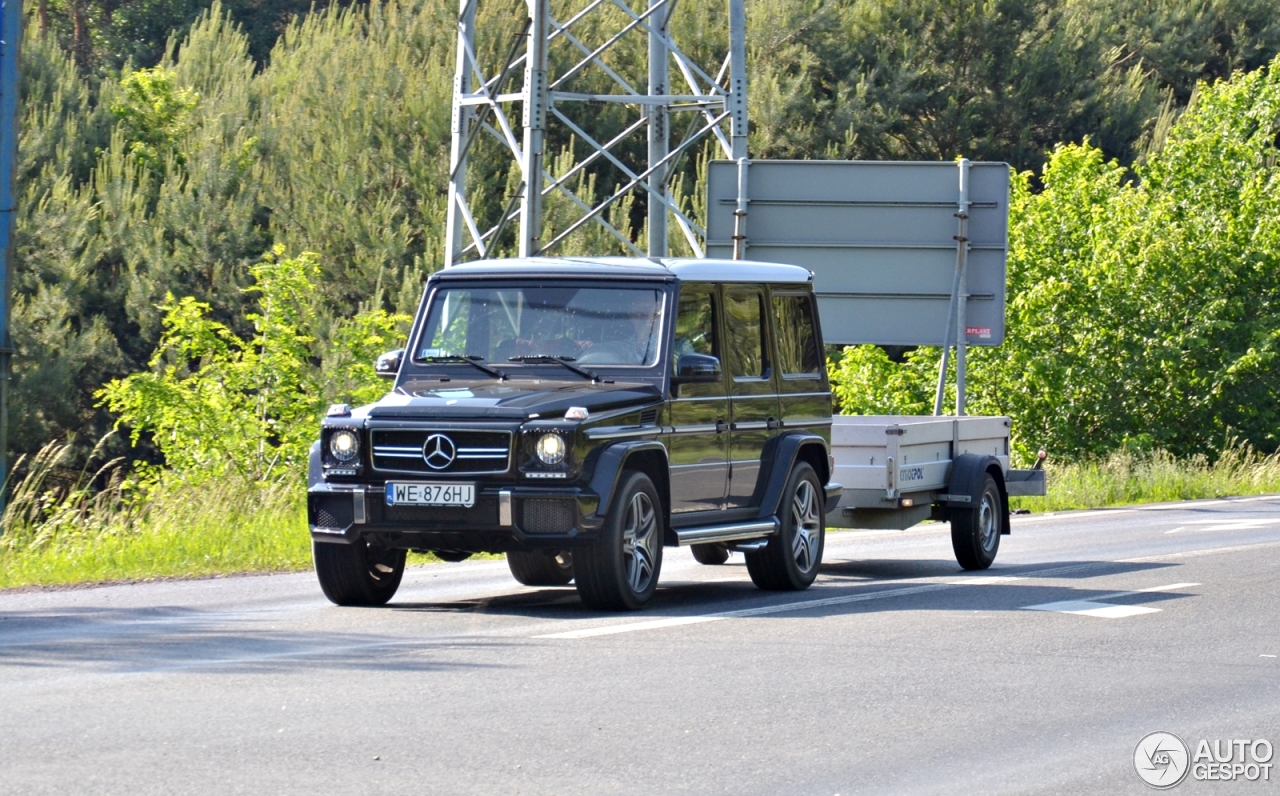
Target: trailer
x=900 y=470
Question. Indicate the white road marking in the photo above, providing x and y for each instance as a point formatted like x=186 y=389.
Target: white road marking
x=1249 y=524
x=673 y=621
x=1104 y=610
x=1090 y=608
x=1072 y=515
x=676 y=621
x=987 y=581
x=1235 y=548
x=973 y=581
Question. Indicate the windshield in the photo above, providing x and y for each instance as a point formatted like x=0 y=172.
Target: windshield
x=618 y=326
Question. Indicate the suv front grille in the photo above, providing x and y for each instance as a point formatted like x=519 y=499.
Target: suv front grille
x=442 y=451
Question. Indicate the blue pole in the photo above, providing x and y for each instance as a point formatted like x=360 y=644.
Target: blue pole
x=10 y=39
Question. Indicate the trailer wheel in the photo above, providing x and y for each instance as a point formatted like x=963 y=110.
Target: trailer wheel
x=357 y=573
x=975 y=531
x=791 y=560
x=538 y=568
x=712 y=553
x=619 y=571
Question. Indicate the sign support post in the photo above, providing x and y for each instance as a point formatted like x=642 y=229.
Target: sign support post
x=10 y=39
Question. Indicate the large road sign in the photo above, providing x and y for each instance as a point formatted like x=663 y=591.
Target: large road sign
x=880 y=238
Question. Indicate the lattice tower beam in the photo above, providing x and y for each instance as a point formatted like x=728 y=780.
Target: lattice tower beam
x=715 y=97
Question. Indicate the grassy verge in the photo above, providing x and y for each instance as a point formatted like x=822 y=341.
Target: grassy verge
x=56 y=536
x=181 y=531
x=68 y=534
x=1124 y=479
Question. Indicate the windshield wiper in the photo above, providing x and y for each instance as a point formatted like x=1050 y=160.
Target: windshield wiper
x=470 y=359
x=548 y=358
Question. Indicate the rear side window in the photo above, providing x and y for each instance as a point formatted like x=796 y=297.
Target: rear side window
x=744 y=321
x=797 y=341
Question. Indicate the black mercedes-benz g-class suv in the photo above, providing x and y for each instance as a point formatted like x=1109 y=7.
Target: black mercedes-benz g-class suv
x=578 y=415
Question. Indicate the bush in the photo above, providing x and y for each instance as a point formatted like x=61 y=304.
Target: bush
x=216 y=404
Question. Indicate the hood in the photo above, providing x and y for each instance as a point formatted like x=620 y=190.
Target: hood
x=515 y=399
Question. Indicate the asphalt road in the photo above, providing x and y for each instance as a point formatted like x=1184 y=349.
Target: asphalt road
x=896 y=673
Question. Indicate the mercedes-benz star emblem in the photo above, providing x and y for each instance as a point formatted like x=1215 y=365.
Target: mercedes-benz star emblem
x=438 y=451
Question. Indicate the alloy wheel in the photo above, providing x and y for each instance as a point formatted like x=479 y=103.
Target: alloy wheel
x=640 y=542
x=807 y=522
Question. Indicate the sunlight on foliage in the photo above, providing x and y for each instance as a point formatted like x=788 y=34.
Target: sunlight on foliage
x=154 y=114
x=216 y=404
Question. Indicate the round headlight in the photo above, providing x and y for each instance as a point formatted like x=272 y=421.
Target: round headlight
x=344 y=445
x=551 y=449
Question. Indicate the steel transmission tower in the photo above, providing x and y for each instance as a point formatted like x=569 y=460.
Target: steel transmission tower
x=712 y=98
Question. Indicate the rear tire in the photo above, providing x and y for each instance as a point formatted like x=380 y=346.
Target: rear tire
x=619 y=571
x=357 y=573
x=712 y=553
x=975 y=531
x=541 y=568
x=791 y=560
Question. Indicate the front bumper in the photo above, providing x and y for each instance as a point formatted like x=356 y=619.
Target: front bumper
x=502 y=518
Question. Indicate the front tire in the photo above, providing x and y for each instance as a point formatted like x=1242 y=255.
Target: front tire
x=975 y=531
x=791 y=560
x=357 y=573
x=539 y=568
x=619 y=572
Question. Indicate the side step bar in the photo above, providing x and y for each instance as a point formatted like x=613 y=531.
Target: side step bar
x=727 y=533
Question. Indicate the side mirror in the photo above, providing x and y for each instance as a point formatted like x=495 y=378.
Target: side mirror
x=388 y=365
x=697 y=369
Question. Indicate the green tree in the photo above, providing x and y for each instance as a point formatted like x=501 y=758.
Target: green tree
x=154 y=115
x=215 y=403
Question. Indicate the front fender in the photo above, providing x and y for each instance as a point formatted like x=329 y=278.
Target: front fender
x=315 y=472
x=609 y=465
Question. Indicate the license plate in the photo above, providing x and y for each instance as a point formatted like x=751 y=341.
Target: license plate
x=401 y=494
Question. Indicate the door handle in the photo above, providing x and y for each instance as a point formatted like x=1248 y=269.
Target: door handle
x=721 y=426
x=773 y=423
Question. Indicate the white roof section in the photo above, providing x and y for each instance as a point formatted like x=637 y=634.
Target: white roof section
x=711 y=270
x=692 y=270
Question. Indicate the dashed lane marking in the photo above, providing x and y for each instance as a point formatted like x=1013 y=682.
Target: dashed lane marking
x=1185 y=504
x=1248 y=524
x=1088 y=608
x=674 y=621
x=1097 y=607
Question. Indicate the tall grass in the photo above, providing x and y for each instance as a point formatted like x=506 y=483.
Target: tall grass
x=84 y=531
x=1125 y=478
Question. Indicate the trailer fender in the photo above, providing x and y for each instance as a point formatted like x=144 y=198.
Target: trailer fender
x=966 y=481
x=779 y=457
